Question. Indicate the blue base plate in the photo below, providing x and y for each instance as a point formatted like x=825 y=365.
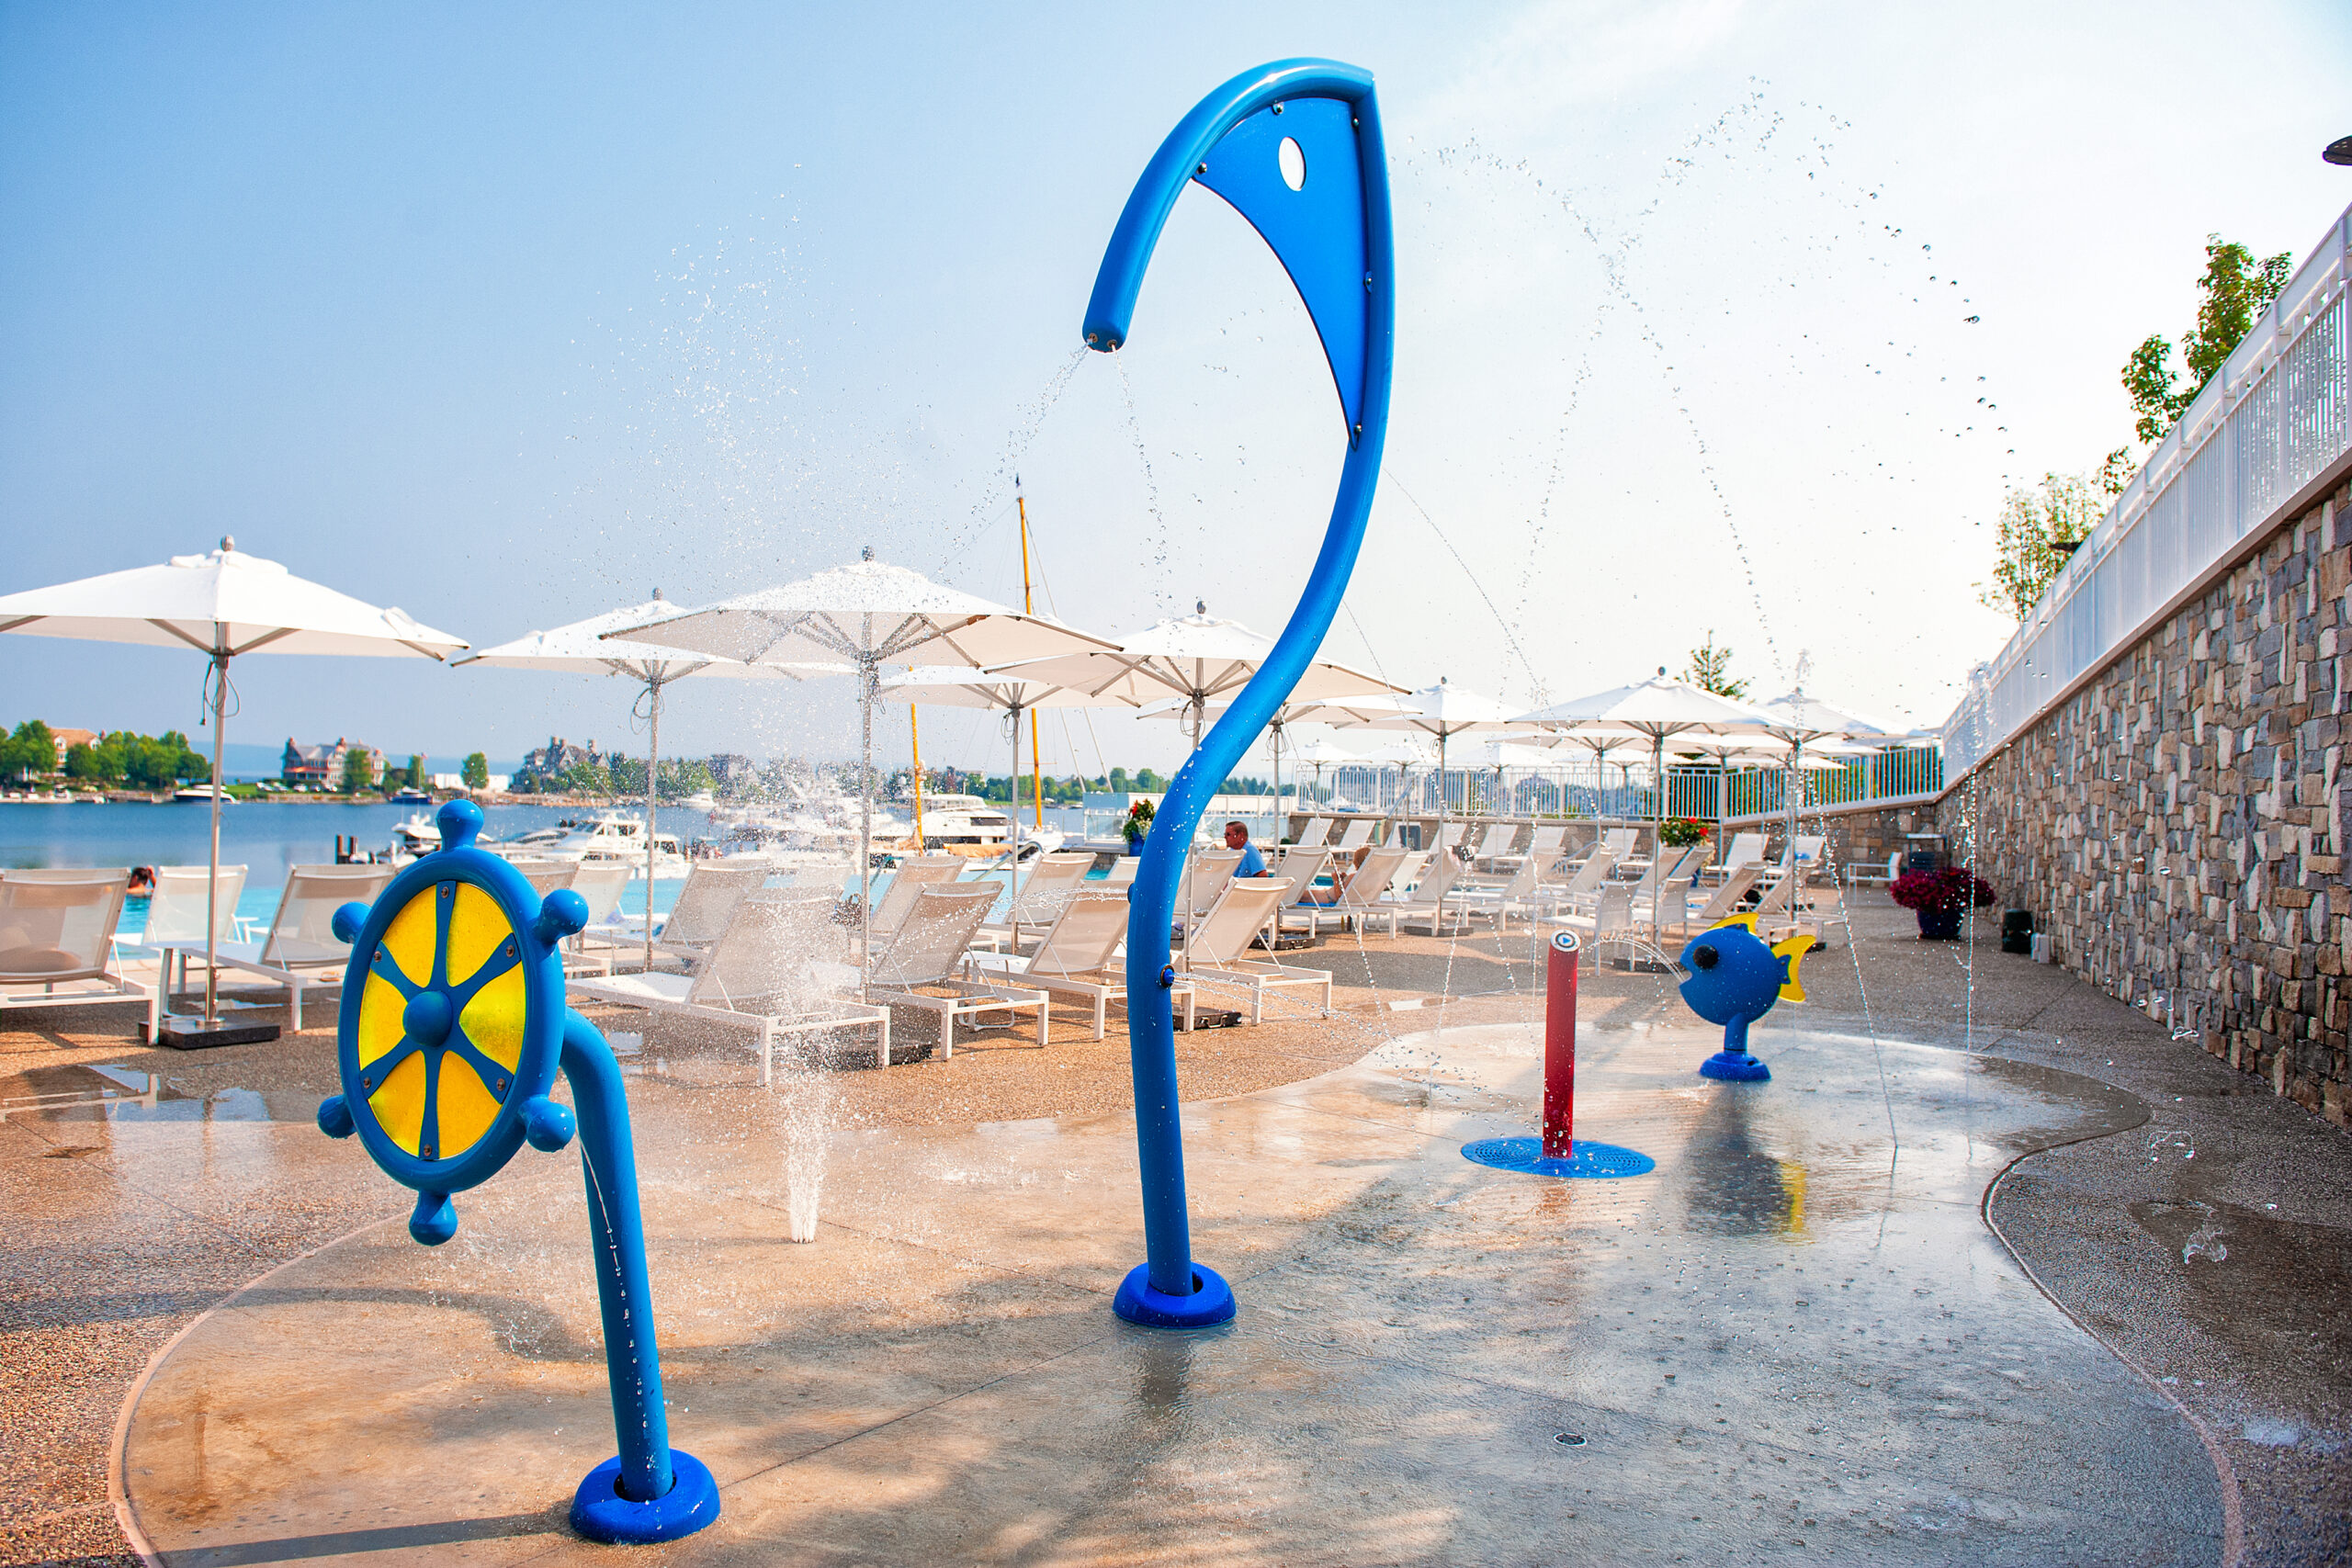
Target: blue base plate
x=1210 y=1303
x=1734 y=1067
x=601 y=1513
x=1585 y=1160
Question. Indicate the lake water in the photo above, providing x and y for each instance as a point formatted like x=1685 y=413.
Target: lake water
x=269 y=839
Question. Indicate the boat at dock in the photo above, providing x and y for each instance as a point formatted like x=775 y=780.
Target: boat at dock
x=203 y=794
x=609 y=835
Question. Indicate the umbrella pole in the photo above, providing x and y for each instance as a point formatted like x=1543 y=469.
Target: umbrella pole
x=212 y=873
x=653 y=767
x=865 y=684
x=1012 y=810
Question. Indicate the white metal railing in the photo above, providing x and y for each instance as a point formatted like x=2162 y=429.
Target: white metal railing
x=2273 y=420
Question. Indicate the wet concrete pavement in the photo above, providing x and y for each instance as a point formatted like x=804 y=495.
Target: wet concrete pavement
x=124 y=1227
x=1795 y=1340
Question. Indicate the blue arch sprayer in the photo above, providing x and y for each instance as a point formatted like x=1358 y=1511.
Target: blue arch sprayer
x=1295 y=147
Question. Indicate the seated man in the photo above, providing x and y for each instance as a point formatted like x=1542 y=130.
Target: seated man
x=1237 y=837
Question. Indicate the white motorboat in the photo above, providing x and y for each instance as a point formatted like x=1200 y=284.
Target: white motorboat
x=202 y=793
x=419 y=835
x=607 y=836
x=959 y=824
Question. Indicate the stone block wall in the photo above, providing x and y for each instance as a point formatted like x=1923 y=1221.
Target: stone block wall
x=2179 y=823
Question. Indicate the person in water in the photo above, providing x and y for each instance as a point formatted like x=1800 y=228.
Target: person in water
x=143 y=881
x=1237 y=837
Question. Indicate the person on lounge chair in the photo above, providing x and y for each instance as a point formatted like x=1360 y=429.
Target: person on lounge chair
x=1237 y=837
x=1341 y=871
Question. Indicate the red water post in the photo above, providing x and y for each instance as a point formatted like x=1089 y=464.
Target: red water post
x=1560 y=1046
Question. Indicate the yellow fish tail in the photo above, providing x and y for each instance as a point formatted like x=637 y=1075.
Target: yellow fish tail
x=1791 y=953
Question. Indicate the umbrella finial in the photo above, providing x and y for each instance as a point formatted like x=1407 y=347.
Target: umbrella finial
x=1661 y=669
x=228 y=542
x=866 y=553
x=657 y=593
x=1200 y=606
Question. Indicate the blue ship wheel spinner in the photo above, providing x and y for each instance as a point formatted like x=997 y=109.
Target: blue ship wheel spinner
x=452 y=1022
x=452 y=1029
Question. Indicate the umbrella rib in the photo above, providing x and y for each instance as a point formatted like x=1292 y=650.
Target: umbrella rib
x=269 y=637
x=166 y=627
x=20 y=621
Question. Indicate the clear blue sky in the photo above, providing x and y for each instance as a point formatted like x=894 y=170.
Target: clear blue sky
x=509 y=314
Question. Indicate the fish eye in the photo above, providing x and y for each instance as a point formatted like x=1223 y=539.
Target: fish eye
x=1703 y=956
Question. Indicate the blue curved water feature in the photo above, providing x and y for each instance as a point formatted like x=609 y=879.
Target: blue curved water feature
x=1250 y=141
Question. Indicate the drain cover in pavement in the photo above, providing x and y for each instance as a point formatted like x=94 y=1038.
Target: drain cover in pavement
x=1586 y=1159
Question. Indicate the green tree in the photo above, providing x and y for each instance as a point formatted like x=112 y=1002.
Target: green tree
x=29 y=752
x=358 y=776
x=82 y=766
x=1710 y=670
x=476 y=771
x=2037 y=532
x=2233 y=292
x=414 y=774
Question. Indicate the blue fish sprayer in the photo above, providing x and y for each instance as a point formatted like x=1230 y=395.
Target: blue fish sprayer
x=1735 y=980
x=453 y=1026
x=1295 y=147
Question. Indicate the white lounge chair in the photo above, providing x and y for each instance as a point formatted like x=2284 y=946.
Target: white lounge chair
x=1360 y=902
x=1218 y=956
x=1312 y=832
x=1053 y=879
x=1212 y=869
x=301 y=950
x=1357 y=833
x=598 y=944
x=1301 y=868
x=57 y=928
x=763 y=974
x=1122 y=872
x=918 y=969
x=1746 y=848
x=1493 y=843
x=1075 y=957
x=705 y=906
x=1869 y=872
x=911 y=876
x=1583 y=885
x=1435 y=897
x=176 y=915
x=1546 y=843
x=1722 y=905
x=1815 y=913
x=1524 y=891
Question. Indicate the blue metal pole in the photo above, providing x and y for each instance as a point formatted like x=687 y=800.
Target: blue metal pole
x=1338 y=251
x=632 y=1361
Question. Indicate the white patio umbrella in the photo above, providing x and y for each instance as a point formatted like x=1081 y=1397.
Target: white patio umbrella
x=1503 y=753
x=1659 y=709
x=582 y=647
x=223 y=604
x=1407 y=751
x=866 y=615
x=1801 y=720
x=1318 y=752
x=1439 y=712
x=1199 y=659
x=947 y=685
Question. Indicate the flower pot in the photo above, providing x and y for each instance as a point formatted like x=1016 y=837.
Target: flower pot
x=1135 y=846
x=1939 y=925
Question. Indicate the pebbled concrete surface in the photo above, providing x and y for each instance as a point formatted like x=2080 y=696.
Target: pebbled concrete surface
x=112 y=1253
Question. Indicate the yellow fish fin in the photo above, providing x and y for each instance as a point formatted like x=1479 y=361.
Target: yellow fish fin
x=1791 y=953
x=1747 y=922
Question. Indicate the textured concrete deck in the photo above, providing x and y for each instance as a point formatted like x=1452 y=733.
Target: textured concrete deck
x=1796 y=1339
